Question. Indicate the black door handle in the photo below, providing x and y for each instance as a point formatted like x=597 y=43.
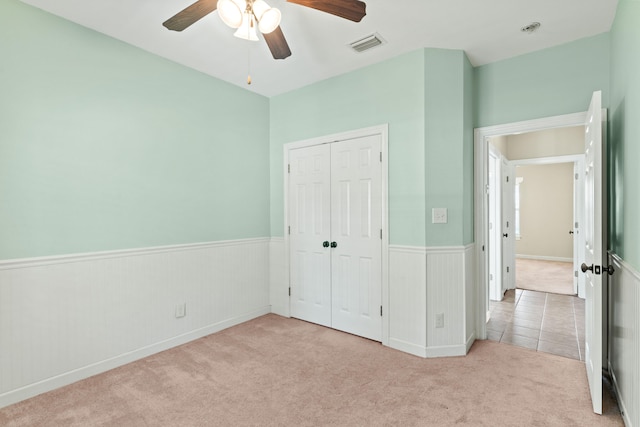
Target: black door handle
x=325 y=244
x=334 y=244
x=570 y=231
x=505 y=235
x=584 y=268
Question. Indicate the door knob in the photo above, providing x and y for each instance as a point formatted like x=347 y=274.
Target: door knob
x=584 y=268
x=609 y=269
x=505 y=235
x=325 y=244
x=334 y=244
x=570 y=231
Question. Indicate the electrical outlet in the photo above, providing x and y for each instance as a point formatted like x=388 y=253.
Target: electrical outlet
x=440 y=320
x=181 y=310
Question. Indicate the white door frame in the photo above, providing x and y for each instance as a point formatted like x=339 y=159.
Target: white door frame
x=481 y=150
x=494 y=210
x=578 y=208
x=383 y=132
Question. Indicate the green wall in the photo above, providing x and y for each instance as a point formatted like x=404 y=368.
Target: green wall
x=550 y=82
x=425 y=97
x=624 y=134
x=389 y=92
x=448 y=142
x=104 y=146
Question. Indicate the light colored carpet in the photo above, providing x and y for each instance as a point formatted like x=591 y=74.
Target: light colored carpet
x=553 y=277
x=274 y=371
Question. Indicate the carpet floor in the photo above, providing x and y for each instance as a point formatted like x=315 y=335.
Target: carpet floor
x=273 y=371
x=553 y=277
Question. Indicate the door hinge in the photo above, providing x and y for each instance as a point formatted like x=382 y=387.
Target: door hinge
x=289 y=229
x=482 y=248
x=577 y=176
x=508 y=178
x=381 y=234
x=289 y=291
x=508 y=267
x=380 y=310
x=289 y=168
x=381 y=157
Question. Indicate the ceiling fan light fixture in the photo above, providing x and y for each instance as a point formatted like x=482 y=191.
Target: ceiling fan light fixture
x=247 y=30
x=269 y=20
x=230 y=13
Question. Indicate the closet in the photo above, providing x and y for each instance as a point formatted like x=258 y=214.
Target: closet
x=335 y=229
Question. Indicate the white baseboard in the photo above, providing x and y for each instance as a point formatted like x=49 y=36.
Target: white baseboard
x=544 y=258
x=407 y=347
x=470 y=341
x=447 y=351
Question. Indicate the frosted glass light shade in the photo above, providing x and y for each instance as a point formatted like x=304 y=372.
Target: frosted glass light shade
x=269 y=21
x=230 y=13
x=247 y=29
x=268 y=17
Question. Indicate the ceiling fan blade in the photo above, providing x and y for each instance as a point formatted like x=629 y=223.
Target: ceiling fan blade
x=277 y=44
x=352 y=10
x=190 y=14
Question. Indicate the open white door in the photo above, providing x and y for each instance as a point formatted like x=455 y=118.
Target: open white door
x=508 y=226
x=595 y=250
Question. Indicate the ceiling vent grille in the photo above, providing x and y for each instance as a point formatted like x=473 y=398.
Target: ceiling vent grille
x=367 y=42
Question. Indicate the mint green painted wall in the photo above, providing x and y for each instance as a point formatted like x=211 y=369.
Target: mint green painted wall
x=550 y=82
x=468 y=168
x=104 y=146
x=447 y=140
x=624 y=134
x=389 y=92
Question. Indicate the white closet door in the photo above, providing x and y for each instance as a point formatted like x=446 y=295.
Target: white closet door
x=356 y=221
x=310 y=216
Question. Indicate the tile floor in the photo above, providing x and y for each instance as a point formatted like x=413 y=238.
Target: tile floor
x=541 y=321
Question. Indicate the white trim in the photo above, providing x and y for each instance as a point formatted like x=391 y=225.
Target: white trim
x=544 y=258
x=408 y=249
x=447 y=351
x=407 y=347
x=481 y=149
x=626 y=266
x=120 y=253
x=572 y=158
x=383 y=132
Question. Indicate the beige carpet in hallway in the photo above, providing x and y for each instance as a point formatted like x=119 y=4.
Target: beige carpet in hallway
x=274 y=371
x=554 y=277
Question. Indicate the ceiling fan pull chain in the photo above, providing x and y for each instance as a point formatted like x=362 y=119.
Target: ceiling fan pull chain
x=248 y=64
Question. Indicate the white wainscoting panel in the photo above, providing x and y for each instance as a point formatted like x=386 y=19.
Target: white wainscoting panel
x=278 y=277
x=407 y=299
x=66 y=318
x=424 y=282
x=624 y=338
x=470 y=298
x=446 y=295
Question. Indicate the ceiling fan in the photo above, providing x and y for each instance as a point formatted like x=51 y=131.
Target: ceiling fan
x=247 y=14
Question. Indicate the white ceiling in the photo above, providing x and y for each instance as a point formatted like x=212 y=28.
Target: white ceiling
x=487 y=30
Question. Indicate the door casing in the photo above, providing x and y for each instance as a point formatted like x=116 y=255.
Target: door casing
x=481 y=155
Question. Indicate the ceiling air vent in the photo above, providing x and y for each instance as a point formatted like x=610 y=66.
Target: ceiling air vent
x=367 y=42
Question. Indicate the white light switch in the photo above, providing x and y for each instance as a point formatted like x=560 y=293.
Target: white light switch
x=439 y=215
